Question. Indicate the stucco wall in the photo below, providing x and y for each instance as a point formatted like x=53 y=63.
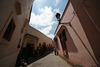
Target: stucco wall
x=8 y=49
x=9 y=61
x=77 y=34
x=88 y=15
x=30 y=40
x=41 y=36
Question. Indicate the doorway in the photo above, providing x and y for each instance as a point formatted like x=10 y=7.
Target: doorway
x=63 y=40
x=24 y=54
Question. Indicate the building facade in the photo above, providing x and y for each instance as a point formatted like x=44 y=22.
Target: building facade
x=14 y=14
x=40 y=36
x=33 y=45
x=78 y=33
x=15 y=31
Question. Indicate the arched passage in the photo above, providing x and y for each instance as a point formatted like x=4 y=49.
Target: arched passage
x=66 y=41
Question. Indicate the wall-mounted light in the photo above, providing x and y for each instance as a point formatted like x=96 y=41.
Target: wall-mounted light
x=58 y=18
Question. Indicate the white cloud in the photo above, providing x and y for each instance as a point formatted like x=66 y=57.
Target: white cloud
x=51 y=36
x=56 y=10
x=44 y=19
x=46 y=30
x=57 y=1
x=38 y=3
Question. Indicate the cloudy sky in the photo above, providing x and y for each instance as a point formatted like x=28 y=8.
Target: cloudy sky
x=43 y=15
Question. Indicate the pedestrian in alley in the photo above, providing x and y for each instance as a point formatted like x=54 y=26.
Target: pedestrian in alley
x=55 y=51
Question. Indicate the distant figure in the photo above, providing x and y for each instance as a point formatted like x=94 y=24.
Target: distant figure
x=55 y=51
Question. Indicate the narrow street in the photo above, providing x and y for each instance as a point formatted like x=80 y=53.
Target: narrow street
x=30 y=30
x=50 y=61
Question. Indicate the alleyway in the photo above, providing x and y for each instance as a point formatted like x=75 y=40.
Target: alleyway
x=50 y=61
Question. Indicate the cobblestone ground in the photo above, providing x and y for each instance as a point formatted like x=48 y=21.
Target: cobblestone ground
x=50 y=61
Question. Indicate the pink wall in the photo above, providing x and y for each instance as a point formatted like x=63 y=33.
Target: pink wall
x=89 y=17
x=80 y=44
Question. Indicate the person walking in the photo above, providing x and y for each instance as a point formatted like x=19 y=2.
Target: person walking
x=55 y=51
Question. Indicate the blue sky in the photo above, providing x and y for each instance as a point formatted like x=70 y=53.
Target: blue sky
x=43 y=15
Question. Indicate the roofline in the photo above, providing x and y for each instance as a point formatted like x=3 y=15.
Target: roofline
x=63 y=14
x=31 y=35
x=39 y=32
x=65 y=10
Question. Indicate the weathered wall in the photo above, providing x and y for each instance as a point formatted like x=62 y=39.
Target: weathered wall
x=8 y=49
x=41 y=36
x=77 y=34
x=88 y=12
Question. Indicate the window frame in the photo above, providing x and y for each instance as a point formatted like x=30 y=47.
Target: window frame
x=11 y=26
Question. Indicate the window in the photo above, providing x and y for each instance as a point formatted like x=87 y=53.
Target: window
x=9 y=31
x=64 y=35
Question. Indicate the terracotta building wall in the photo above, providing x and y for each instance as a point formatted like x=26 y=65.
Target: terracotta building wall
x=88 y=15
x=8 y=49
x=84 y=54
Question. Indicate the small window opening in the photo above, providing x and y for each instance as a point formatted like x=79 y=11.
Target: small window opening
x=9 y=31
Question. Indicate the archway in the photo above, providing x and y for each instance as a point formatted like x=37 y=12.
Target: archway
x=62 y=36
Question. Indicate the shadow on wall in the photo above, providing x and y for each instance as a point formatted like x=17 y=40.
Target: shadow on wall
x=72 y=48
x=28 y=55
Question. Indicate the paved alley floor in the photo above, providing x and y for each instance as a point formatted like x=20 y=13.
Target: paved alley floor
x=50 y=61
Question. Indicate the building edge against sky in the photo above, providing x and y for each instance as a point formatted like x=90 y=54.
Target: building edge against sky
x=78 y=42
x=15 y=31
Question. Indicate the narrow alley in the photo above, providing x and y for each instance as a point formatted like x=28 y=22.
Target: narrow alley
x=50 y=61
x=30 y=30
